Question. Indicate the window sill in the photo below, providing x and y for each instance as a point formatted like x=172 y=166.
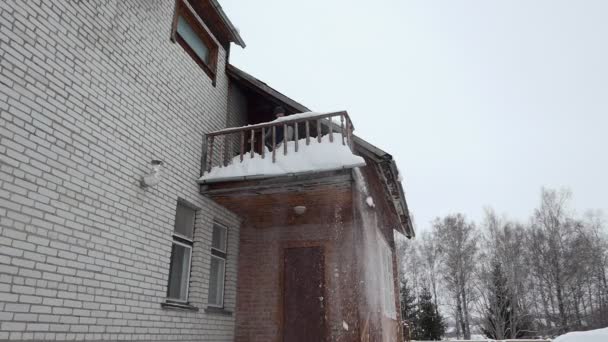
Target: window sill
x=178 y=306
x=217 y=311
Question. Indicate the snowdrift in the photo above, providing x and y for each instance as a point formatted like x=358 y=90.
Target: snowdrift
x=599 y=335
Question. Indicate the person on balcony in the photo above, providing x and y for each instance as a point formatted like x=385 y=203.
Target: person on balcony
x=280 y=135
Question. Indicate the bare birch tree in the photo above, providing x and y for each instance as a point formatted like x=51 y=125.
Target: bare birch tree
x=457 y=243
x=550 y=273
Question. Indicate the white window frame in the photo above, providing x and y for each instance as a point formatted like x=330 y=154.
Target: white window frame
x=189 y=244
x=177 y=242
x=215 y=224
x=224 y=258
x=221 y=304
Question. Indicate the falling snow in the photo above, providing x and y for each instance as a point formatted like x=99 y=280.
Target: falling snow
x=370 y=202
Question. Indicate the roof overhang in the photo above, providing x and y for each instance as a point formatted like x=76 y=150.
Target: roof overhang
x=391 y=181
x=246 y=80
x=216 y=19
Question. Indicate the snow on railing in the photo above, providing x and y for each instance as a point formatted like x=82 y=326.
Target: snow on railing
x=247 y=141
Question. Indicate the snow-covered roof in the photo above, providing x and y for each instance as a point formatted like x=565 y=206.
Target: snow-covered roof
x=316 y=157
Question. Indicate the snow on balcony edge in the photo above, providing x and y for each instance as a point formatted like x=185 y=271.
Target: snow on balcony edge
x=323 y=156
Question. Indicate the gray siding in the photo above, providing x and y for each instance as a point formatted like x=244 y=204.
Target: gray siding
x=90 y=92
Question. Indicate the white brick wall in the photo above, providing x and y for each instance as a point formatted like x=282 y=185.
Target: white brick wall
x=90 y=92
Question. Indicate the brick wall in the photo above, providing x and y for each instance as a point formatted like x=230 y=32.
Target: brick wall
x=381 y=218
x=90 y=92
x=270 y=225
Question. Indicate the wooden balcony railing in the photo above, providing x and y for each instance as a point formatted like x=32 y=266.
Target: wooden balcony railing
x=224 y=145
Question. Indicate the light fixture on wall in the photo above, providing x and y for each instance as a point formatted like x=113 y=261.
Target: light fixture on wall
x=299 y=209
x=152 y=178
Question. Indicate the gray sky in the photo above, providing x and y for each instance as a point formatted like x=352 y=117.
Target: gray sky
x=480 y=102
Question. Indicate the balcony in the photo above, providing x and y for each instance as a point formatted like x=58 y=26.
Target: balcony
x=290 y=145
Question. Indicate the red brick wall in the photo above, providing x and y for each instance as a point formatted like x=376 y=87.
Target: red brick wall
x=379 y=327
x=333 y=219
x=270 y=225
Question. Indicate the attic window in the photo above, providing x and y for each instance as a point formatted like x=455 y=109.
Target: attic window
x=191 y=33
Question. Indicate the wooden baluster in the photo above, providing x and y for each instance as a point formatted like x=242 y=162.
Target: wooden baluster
x=295 y=134
x=274 y=143
x=252 y=142
x=349 y=132
x=210 y=162
x=285 y=139
x=204 y=152
x=242 y=144
x=318 y=130
x=307 y=133
x=227 y=150
x=222 y=144
x=331 y=130
x=263 y=142
x=342 y=128
x=233 y=141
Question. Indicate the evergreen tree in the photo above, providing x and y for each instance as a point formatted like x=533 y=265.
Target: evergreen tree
x=408 y=309
x=430 y=324
x=503 y=318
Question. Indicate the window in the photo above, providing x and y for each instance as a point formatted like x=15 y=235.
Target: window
x=388 y=281
x=181 y=253
x=218 y=266
x=190 y=32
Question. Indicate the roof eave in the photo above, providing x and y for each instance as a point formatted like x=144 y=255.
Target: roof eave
x=390 y=173
x=259 y=86
x=234 y=32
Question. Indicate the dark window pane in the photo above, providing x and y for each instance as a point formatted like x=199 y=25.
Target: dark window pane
x=192 y=39
x=219 y=238
x=184 y=221
x=216 y=281
x=180 y=270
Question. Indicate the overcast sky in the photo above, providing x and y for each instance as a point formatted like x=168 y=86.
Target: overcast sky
x=480 y=102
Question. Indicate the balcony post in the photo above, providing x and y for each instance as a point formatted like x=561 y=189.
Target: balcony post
x=242 y=145
x=263 y=142
x=307 y=132
x=349 y=132
x=295 y=134
x=204 y=154
x=252 y=142
x=210 y=160
x=319 y=130
x=222 y=144
x=342 y=128
x=274 y=143
x=285 y=139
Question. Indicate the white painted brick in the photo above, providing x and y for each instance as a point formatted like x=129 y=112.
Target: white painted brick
x=12 y=326
x=89 y=104
x=23 y=289
x=16 y=307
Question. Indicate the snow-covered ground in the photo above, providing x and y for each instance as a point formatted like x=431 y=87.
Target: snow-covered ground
x=599 y=335
x=323 y=156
